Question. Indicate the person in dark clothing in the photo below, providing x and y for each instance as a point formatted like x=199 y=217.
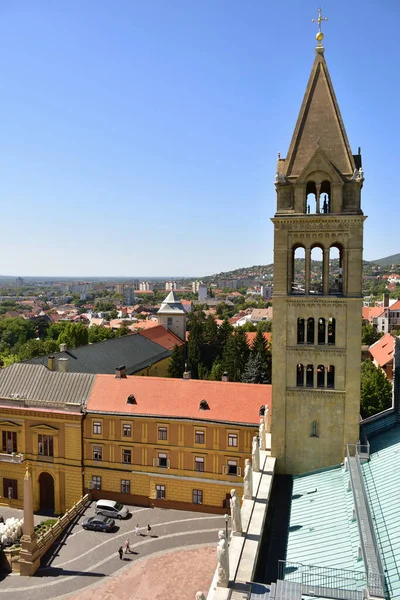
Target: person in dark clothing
x=148 y=529
x=120 y=552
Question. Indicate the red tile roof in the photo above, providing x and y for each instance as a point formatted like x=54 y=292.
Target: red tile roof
x=382 y=351
x=180 y=398
x=162 y=336
x=395 y=306
x=369 y=312
x=250 y=335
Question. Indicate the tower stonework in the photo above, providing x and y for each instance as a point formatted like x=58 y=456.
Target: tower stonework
x=317 y=305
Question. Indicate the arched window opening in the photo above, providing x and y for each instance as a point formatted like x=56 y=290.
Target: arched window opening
x=331 y=377
x=335 y=269
x=311 y=200
x=298 y=271
x=316 y=271
x=300 y=331
x=321 y=331
x=300 y=375
x=325 y=197
x=310 y=331
x=332 y=331
x=310 y=376
x=320 y=376
x=314 y=429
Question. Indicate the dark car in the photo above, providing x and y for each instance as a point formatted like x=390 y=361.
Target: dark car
x=98 y=523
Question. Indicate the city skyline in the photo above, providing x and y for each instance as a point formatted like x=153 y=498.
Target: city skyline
x=148 y=137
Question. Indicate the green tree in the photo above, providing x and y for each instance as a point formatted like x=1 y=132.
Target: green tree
x=97 y=333
x=33 y=348
x=176 y=365
x=376 y=390
x=210 y=349
x=123 y=329
x=55 y=330
x=8 y=359
x=195 y=344
x=15 y=331
x=236 y=355
x=42 y=327
x=265 y=326
x=216 y=372
x=74 y=335
x=256 y=370
x=224 y=334
x=369 y=335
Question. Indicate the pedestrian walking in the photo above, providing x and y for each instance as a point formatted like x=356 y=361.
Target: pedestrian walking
x=120 y=551
x=137 y=529
x=148 y=529
x=127 y=546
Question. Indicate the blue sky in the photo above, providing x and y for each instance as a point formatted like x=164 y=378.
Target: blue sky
x=140 y=138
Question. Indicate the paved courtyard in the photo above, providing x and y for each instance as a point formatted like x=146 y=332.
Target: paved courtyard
x=176 y=560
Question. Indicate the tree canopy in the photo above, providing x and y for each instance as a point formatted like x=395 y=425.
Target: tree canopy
x=376 y=390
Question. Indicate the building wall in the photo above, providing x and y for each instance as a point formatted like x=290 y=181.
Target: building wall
x=65 y=466
x=180 y=477
x=175 y=323
x=158 y=369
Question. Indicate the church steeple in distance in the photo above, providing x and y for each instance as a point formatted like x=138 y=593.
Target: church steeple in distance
x=318 y=241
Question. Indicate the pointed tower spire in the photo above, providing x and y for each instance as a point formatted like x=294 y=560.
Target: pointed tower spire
x=319 y=124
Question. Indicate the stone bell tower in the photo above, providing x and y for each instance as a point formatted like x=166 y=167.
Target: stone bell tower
x=318 y=243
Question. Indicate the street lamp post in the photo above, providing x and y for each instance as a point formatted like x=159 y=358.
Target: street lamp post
x=226 y=518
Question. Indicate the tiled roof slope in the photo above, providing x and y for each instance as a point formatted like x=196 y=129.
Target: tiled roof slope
x=382 y=350
x=228 y=401
x=321 y=530
x=382 y=481
x=162 y=336
x=134 y=351
x=38 y=384
x=250 y=336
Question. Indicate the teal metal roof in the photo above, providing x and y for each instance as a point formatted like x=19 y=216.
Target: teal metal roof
x=382 y=481
x=321 y=530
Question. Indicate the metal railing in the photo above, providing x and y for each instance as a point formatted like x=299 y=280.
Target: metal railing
x=366 y=530
x=324 y=581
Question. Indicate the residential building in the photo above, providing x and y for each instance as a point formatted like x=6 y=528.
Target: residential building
x=169 y=442
x=172 y=315
x=40 y=422
x=19 y=282
x=163 y=337
x=170 y=285
x=382 y=353
x=146 y=285
x=202 y=292
x=195 y=286
x=139 y=355
x=316 y=356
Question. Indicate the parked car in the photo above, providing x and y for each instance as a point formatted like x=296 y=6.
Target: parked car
x=110 y=508
x=98 y=523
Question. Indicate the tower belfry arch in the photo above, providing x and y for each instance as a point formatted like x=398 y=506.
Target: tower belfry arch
x=318 y=241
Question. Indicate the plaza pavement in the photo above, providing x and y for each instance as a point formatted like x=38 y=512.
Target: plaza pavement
x=88 y=558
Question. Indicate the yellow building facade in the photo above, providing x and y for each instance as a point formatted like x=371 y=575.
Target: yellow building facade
x=164 y=462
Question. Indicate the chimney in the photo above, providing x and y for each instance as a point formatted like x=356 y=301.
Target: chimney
x=225 y=376
x=120 y=372
x=187 y=375
x=63 y=347
x=51 y=363
x=63 y=365
x=385 y=300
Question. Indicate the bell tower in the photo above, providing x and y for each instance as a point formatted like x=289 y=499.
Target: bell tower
x=318 y=243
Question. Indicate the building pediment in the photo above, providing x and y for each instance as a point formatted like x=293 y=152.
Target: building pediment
x=319 y=168
x=9 y=425
x=43 y=428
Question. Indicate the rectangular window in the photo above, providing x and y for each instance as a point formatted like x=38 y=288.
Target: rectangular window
x=197 y=497
x=9 y=441
x=97 y=428
x=199 y=463
x=169 y=321
x=126 y=430
x=162 y=460
x=232 y=439
x=96 y=482
x=232 y=467
x=10 y=489
x=125 y=486
x=160 y=492
x=162 y=433
x=97 y=453
x=199 y=437
x=126 y=456
x=45 y=445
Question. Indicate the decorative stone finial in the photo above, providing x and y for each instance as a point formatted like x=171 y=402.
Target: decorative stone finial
x=320 y=35
x=28 y=471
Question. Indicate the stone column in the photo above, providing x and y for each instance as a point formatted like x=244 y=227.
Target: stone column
x=29 y=558
x=307 y=271
x=318 y=188
x=325 y=272
x=326 y=330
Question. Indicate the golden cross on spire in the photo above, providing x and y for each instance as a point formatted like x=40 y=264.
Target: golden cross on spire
x=320 y=35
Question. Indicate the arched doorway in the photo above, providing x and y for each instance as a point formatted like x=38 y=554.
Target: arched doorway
x=46 y=487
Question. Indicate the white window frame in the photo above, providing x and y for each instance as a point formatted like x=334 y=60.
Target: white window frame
x=233 y=437
x=161 y=492
x=199 y=460
x=97 y=450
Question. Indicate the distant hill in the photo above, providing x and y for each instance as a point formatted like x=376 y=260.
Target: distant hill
x=394 y=259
